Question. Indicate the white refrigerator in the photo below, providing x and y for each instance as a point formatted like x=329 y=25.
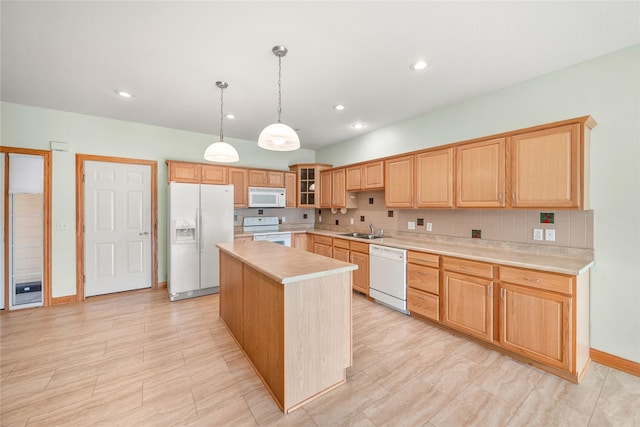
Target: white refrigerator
x=199 y=216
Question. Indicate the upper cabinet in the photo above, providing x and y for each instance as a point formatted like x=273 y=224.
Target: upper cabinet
x=197 y=173
x=238 y=177
x=546 y=168
x=333 y=192
x=308 y=184
x=367 y=176
x=398 y=182
x=480 y=168
x=434 y=179
x=290 y=179
x=266 y=178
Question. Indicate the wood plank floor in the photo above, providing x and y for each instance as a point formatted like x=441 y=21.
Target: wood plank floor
x=136 y=359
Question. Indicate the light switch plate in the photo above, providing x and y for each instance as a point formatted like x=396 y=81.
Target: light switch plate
x=411 y=225
x=537 y=234
x=550 y=235
x=351 y=221
x=429 y=226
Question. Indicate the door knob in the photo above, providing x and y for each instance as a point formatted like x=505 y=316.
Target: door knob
x=145 y=233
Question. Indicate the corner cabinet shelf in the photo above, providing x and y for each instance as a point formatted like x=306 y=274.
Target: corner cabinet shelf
x=309 y=183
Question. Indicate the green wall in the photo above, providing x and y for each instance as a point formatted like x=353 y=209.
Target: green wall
x=607 y=88
x=33 y=127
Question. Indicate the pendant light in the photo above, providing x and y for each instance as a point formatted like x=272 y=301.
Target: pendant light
x=221 y=151
x=278 y=136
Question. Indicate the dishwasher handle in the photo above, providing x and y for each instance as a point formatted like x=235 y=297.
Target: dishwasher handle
x=386 y=252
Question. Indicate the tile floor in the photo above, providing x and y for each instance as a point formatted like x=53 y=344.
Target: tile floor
x=136 y=359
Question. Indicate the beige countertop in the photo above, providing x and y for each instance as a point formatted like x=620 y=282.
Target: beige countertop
x=284 y=264
x=557 y=260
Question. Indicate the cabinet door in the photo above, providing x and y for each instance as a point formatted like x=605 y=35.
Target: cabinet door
x=536 y=324
x=325 y=189
x=184 y=172
x=468 y=305
x=399 y=182
x=322 y=249
x=300 y=241
x=338 y=189
x=545 y=168
x=214 y=174
x=373 y=176
x=290 y=189
x=481 y=174
x=341 y=253
x=434 y=179
x=275 y=179
x=354 y=178
x=361 y=275
x=238 y=178
x=257 y=178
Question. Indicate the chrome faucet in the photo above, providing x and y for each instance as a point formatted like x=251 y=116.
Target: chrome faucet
x=371 y=229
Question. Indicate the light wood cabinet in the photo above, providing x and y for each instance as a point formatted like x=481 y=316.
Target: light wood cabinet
x=468 y=300
x=341 y=249
x=423 y=284
x=301 y=241
x=266 y=178
x=359 y=255
x=398 y=182
x=544 y=316
x=323 y=245
x=196 y=173
x=308 y=183
x=545 y=168
x=368 y=176
x=333 y=192
x=435 y=179
x=480 y=169
x=238 y=178
x=290 y=179
x=242 y=240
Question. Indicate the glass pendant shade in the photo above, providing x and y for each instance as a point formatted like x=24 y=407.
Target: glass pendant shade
x=279 y=137
x=221 y=152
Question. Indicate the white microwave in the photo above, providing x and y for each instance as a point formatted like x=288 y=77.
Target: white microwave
x=261 y=197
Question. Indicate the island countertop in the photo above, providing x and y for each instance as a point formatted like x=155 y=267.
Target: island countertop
x=284 y=264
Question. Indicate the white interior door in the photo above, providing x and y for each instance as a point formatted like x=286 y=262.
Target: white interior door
x=2 y=237
x=117 y=227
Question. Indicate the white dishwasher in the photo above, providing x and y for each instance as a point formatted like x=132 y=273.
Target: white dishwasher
x=388 y=276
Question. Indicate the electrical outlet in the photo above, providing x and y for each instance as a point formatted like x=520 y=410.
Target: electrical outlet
x=429 y=226
x=550 y=235
x=283 y=220
x=411 y=225
x=351 y=221
x=319 y=218
x=537 y=234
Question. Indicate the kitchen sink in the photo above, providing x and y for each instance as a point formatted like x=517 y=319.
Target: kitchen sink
x=362 y=235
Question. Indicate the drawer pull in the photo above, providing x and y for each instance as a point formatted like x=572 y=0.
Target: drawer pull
x=501 y=293
x=531 y=280
x=464 y=267
x=422 y=272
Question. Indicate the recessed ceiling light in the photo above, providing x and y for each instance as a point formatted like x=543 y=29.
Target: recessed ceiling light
x=124 y=93
x=357 y=125
x=230 y=116
x=338 y=107
x=418 y=65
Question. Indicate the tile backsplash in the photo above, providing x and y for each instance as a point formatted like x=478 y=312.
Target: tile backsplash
x=572 y=228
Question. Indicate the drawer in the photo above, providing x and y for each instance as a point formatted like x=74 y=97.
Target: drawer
x=359 y=247
x=464 y=266
x=423 y=303
x=537 y=279
x=325 y=240
x=341 y=243
x=423 y=278
x=423 y=258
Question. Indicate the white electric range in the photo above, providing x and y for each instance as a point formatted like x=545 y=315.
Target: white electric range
x=266 y=228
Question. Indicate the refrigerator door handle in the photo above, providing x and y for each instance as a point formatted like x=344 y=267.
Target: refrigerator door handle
x=198 y=231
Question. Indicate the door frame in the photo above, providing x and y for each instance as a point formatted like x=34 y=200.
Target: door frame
x=46 y=232
x=80 y=159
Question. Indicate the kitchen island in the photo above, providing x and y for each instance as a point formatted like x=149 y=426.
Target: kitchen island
x=290 y=312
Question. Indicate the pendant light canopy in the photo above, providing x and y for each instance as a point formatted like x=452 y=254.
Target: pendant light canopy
x=278 y=136
x=221 y=152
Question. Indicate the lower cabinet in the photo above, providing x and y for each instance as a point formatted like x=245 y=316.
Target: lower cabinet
x=423 y=284
x=301 y=241
x=468 y=300
x=341 y=249
x=323 y=245
x=359 y=255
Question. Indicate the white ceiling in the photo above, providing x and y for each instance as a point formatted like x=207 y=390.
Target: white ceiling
x=71 y=56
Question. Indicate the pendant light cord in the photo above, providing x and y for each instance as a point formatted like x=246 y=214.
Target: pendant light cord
x=279 y=87
x=221 y=114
